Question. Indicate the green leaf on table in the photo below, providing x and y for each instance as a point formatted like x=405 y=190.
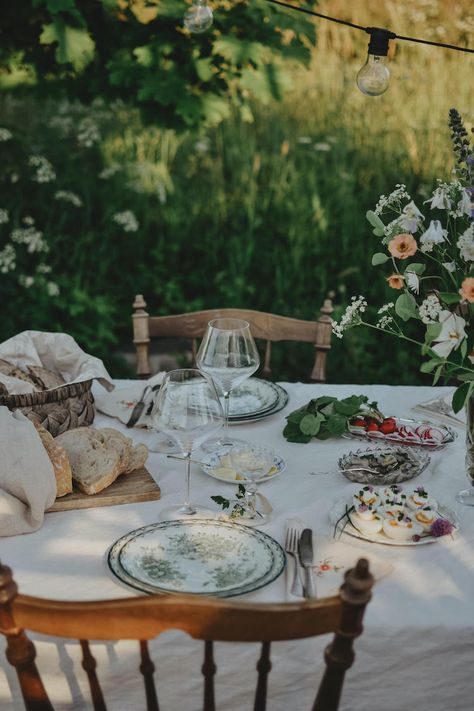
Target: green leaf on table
x=430 y=365
x=295 y=417
x=318 y=402
x=449 y=297
x=310 y=424
x=406 y=307
x=293 y=434
x=350 y=406
x=336 y=424
x=379 y=258
x=460 y=396
x=221 y=501
x=416 y=267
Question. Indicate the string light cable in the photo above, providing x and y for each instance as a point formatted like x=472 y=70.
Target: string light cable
x=372 y=79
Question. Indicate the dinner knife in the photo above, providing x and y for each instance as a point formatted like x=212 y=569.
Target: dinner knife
x=138 y=409
x=305 y=552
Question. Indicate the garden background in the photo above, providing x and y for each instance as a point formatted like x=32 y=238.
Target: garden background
x=261 y=206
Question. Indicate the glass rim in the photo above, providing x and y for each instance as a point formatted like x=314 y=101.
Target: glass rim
x=243 y=323
x=201 y=373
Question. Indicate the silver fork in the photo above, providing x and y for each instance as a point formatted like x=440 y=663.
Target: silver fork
x=291 y=548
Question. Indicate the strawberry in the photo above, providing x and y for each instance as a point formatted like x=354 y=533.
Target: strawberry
x=388 y=426
x=359 y=422
x=372 y=427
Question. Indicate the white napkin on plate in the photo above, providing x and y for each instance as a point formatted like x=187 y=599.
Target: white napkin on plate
x=27 y=481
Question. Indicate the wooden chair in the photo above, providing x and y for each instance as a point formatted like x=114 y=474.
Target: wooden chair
x=266 y=326
x=203 y=618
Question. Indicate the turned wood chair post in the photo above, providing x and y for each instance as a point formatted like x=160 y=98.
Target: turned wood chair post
x=20 y=651
x=323 y=343
x=339 y=655
x=141 y=336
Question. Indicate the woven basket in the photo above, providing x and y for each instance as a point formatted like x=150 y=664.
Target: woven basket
x=57 y=410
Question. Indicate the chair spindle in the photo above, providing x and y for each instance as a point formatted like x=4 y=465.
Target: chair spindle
x=208 y=670
x=89 y=665
x=264 y=666
x=147 y=669
x=267 y=369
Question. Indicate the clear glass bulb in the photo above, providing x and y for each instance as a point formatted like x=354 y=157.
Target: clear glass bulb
x=374 y=77
x=198 y=17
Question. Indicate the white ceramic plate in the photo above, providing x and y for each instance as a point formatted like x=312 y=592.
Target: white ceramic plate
x=414 y=434
x=217 y=464
x=339 y=509
x=201 y=557
x=255 y=399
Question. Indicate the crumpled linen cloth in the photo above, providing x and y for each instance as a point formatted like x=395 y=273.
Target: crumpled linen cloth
x=58 y=352
x=27 y=480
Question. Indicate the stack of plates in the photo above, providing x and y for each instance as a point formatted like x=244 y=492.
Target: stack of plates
x=256 y=399
x=201 y=557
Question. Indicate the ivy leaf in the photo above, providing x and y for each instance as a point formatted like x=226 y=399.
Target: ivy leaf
x=379 y=258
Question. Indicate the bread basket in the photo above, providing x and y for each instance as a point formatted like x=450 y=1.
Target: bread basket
x=58 y=410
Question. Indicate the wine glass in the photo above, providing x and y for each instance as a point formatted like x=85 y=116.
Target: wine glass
x=251 y=461
x=229 y=355
x=188 y=410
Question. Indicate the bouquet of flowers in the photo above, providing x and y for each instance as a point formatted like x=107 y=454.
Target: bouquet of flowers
x=430 y=252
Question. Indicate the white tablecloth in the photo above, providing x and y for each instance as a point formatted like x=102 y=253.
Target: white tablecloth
x=418 y=647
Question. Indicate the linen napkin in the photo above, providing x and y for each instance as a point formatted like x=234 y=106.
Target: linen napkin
x=27 y=480
x=120 y=402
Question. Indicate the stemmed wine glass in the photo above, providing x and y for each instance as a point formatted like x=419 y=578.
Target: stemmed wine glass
x=229 y=355
x=251 y=461
x=188 y=410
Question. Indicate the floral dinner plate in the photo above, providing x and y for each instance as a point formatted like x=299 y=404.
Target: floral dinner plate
x=201 y=557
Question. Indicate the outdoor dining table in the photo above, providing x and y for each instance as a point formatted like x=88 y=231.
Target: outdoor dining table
x=417 y=650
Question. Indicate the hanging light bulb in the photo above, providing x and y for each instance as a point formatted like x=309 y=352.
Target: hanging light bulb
x=374 y=77
x=198 y=17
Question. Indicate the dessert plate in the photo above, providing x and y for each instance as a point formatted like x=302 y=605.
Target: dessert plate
x=218 y=465
x=200 y=557
x=255 y=399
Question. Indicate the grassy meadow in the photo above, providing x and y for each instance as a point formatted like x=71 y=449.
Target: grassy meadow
x=266 y=213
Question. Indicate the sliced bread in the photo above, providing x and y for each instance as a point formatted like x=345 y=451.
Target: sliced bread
x=138 y=457
x=94 y=463
x=59 y=460
x=121 y=443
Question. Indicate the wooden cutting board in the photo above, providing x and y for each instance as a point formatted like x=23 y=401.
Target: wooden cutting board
x=127 y=489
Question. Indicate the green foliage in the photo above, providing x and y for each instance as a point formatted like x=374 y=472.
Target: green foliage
x=141 y=53
x=325 y=417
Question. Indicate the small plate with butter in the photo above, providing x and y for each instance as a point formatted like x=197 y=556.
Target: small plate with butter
x=218 y=464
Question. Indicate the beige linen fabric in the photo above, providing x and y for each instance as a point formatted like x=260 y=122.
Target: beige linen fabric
x=27 y=481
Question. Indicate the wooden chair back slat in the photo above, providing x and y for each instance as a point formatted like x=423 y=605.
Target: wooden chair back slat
x=269 y=327
x=264 y=666
x=209 y=670
x=147 y=669
x=89 y=665
x=204 y=619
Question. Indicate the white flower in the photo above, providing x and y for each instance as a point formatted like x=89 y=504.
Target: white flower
x=385 y=321
x=430 y=309
x=26 y=281
x=43 y=269
x=7 y=259
x=67 y=196
x=386 y=307
x=411 y=217
x=452 y=333
x=203 y=145
x=44 y=170
x=433 y=235
x=449 y=266
x=350 y=317
x=52 y=288
x=126 y=220
x=88 y=132
x=465 y=244
x=440 y=198
x=14 y=178
x=394 y=199
x=109 y=171
x=3 y=216
x=324 y=147
x=5 y=134
x=31 y=237
x=465 y=205
x=304 y=139
x=413 y=281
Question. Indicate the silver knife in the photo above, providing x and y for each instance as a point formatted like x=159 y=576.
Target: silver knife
x=139 y=407
x=305 y=552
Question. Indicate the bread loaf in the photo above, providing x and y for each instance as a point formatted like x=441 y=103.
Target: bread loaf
x=59 y=460
x=98 y=457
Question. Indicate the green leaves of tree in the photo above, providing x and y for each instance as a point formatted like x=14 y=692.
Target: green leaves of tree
x=74 y=46
x=324 y=417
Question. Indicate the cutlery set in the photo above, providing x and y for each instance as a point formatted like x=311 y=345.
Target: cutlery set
x=299 y=549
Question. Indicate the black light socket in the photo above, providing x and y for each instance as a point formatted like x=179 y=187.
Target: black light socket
x=379 y=39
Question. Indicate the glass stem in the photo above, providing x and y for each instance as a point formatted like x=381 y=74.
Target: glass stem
x=187 y=507
x=226 y=439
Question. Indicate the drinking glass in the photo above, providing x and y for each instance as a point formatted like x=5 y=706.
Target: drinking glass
x=229 y=355
x=188 y=410
x=251 y=461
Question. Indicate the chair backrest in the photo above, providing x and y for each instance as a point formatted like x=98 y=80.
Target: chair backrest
x=204 y=619
x=269 y=327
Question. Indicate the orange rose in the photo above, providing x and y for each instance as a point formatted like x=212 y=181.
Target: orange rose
x=467 y=290
x=396 y=281
x=402 y=246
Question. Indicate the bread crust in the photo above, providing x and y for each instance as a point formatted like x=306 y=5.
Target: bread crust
x=60 y=461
